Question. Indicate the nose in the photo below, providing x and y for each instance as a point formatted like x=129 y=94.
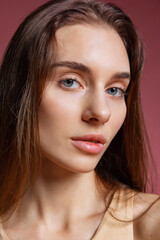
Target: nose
x=96 y=110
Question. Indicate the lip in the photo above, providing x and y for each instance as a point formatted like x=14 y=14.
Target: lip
x=91 y=143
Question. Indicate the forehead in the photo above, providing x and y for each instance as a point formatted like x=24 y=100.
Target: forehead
x=92 y=45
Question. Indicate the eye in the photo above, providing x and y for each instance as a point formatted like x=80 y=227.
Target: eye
x=114 y=91
x=69 y=83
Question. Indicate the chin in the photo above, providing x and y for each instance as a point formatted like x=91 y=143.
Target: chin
x=80 y=165
x=82 y=170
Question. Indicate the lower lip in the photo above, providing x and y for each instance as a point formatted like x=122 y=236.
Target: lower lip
x=89 y=147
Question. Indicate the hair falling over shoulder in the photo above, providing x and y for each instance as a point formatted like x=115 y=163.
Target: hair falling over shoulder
x=24 y=70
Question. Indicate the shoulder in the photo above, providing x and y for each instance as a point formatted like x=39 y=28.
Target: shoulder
x=146 y=210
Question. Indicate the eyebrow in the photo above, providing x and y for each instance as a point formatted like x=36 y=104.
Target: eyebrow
x=73 y=65
x=122 y=75
x=84 y=68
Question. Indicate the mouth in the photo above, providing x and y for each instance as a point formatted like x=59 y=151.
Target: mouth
x=91 y=143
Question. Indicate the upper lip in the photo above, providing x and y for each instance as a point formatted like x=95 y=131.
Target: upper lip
x=91 y=137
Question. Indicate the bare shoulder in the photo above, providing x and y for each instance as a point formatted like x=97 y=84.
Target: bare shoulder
x=146 y=208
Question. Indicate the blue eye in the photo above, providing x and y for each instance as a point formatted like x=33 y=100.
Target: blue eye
x=70 y=83
x=114 y=91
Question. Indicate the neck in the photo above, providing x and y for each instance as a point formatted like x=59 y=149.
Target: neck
x=62 y=196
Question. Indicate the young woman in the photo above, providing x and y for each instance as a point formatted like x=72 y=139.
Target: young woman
x=72 y=152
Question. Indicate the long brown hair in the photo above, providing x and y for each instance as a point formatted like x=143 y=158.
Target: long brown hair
x=24 y=70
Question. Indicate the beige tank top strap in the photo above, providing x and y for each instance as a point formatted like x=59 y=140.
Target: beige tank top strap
x=117 y=222
x=3 y=236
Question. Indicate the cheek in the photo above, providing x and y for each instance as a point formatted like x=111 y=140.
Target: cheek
x=118 y=115
x=121 y=114
x=57 y=112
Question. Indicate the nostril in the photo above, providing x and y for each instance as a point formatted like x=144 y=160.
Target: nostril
x=94 y=119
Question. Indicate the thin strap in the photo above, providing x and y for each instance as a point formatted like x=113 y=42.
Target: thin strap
x=3 y=235
x=117 y=222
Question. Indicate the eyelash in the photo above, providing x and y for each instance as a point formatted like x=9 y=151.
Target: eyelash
x=69 y=79
x=121 y=91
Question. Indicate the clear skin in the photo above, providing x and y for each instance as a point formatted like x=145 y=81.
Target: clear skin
x=84 y=106
x=64 y=202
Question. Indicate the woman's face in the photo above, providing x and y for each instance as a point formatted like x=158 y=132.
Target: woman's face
x=83 y=104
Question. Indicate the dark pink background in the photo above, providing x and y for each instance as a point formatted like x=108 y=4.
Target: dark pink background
x=146 y=16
